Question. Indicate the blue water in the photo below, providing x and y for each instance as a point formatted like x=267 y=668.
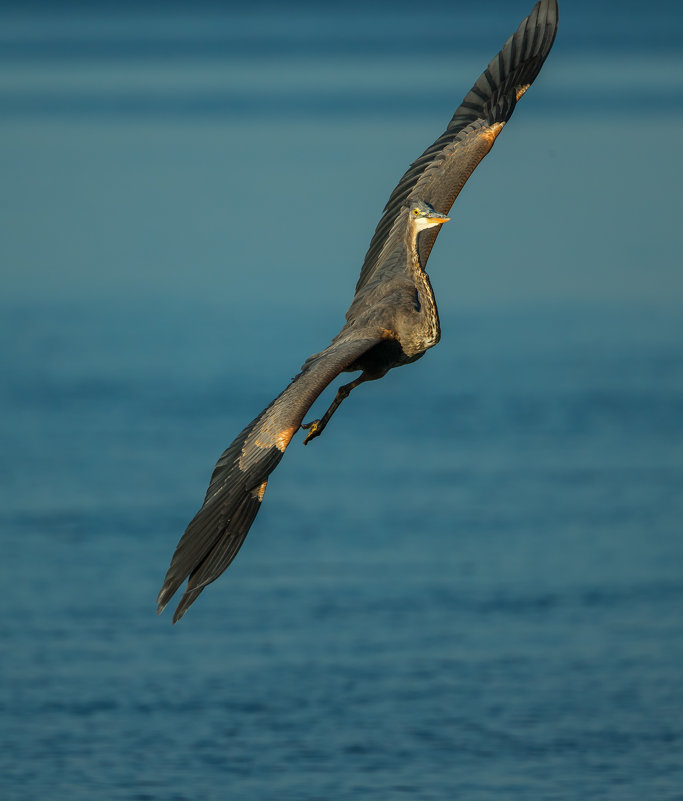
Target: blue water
x=472 y=585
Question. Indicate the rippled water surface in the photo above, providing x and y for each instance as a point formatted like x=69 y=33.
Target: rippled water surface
x=471 y=585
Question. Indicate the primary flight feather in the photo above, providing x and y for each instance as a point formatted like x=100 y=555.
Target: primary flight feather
x=392 y=320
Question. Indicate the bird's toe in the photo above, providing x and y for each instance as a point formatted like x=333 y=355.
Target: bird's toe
x=314 y=430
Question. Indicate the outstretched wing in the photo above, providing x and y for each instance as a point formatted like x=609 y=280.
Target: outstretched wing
x=239 y=479
x=442 y=170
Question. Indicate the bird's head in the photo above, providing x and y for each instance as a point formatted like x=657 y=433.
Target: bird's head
x=424 y=216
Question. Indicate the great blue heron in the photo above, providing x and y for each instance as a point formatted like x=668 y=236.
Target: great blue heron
x=392 y=320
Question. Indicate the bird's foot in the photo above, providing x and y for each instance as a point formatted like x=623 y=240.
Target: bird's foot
x=314 y=430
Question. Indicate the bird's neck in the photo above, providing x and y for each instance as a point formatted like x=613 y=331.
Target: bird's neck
x=428 y=308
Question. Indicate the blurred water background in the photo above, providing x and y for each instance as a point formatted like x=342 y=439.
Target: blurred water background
x=471 y=586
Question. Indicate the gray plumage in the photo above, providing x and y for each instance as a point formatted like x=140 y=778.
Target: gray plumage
x=392 y=320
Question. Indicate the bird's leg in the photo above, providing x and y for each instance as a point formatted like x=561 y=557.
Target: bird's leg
x=315 y=427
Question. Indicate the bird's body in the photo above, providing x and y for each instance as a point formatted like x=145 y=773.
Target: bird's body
x=408 y=295
x=392 y=320
x=401 y=309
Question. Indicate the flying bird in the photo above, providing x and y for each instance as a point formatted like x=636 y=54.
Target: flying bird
x=392 y=320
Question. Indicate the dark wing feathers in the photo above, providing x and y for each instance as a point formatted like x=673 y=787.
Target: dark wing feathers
x=439 y=174
x=239 y=479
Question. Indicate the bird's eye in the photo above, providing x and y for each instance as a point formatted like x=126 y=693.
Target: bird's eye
x=416 y=212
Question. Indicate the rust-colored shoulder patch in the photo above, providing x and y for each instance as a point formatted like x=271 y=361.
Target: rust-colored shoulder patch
x=260 y=491
x=492 y=132
x=269 y=438
x=387 y=333
x=521 y=90
x=284 y=437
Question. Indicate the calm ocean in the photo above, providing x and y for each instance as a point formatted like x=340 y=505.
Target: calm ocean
x=471 y=586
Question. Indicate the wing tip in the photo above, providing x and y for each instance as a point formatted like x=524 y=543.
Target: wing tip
x=182 y=607
x=189 y=597
x=164 y=596
x=548 y=17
